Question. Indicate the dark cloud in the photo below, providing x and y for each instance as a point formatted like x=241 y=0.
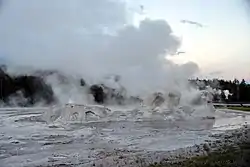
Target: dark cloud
x=192 y=23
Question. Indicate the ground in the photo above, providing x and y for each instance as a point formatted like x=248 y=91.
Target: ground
x=42 y=137
x=235 y=154
x=230 y=156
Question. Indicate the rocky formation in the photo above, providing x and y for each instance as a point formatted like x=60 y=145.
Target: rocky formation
x=102 y=94
x=98 y=92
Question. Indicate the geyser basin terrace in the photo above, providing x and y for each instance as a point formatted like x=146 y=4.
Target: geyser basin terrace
x=31 y=137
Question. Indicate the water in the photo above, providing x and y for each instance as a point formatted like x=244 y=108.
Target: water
x=39 y=136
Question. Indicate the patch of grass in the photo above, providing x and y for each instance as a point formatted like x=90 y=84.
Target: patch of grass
x=228 y=157
x=234 y=108
x=240 y=108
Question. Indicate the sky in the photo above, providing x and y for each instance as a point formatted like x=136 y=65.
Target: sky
x=221 y=48
x=40 y=28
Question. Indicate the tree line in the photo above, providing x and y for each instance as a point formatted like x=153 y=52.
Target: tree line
x=231 y=91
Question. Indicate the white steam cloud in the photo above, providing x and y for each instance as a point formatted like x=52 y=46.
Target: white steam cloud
x=92 y=38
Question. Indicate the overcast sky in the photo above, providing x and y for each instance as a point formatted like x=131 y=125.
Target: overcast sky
x=221 y=48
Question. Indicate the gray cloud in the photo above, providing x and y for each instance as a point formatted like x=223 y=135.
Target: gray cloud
x=215 y=73
x=192 y=22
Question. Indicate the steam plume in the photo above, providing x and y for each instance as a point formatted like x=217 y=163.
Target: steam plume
x=92 y=38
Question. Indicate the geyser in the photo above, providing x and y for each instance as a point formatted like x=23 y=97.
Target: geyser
x=94 y=40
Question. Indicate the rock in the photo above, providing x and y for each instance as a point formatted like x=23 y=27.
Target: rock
x=206 y=147
x=98 y=93
x=102 y=94
x=158 y=100
x=82 y=82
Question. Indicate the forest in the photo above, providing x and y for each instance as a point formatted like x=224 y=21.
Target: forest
x=239 y=91
x=35 y=89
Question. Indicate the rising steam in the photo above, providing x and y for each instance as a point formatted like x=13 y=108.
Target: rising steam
x=94 y=39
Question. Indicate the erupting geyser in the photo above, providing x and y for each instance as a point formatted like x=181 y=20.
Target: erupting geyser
x=95 y=41
x=95 y=81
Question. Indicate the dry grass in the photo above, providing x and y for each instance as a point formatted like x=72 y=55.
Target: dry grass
x=227 y=157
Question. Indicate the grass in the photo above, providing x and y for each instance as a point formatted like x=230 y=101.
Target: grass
x=239 y=108
x=234 y=108
x=227 y=157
